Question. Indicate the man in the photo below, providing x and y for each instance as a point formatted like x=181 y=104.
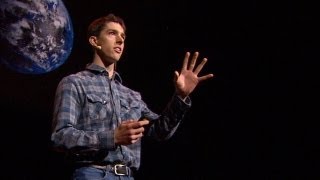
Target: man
x=99 y=122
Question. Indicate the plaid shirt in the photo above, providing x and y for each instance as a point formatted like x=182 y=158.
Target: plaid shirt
x=89 y=106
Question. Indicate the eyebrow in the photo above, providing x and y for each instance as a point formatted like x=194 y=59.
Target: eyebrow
x=121 y=33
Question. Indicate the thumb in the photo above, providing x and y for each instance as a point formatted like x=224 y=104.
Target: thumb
x=176 y=75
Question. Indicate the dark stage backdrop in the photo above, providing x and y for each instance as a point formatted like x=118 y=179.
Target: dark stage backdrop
x=257 y=119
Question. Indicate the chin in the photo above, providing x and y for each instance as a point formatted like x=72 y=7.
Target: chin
x=114 y=59
x=117 y=58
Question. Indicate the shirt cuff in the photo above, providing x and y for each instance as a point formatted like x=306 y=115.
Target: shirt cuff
x=106 y=139
x=184 y=103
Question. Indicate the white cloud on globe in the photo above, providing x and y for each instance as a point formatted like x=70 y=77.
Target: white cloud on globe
x=38 y=32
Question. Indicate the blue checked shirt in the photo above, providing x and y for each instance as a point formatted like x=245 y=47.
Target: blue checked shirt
x=89 y=106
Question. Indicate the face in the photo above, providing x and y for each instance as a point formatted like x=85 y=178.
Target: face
x=111 y=39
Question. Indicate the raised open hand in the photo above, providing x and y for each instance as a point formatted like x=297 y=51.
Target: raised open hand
x=187 y=80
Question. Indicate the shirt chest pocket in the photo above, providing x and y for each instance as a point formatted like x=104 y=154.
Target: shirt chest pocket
x=130 y=110
x=97 y=107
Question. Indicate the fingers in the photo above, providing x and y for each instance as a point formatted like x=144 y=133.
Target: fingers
x=128 y=121
x=185 y=61
x=135 y=138
x=208 y=76
x=143 y=122
x=130 y=131
x=135 y=128
x=190 y=66
x=193 y=61
x=200 y=66
x=134 y=124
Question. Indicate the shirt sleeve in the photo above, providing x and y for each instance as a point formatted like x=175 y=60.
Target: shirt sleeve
x=164 y=126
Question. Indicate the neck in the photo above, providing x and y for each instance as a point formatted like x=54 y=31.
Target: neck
x=110 y=70
x=109 y=67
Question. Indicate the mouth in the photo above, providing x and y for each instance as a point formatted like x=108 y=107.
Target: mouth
x=117 y=50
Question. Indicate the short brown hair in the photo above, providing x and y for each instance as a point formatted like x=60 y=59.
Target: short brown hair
x=97 y=25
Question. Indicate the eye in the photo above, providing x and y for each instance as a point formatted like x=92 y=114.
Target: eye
x=112 y=32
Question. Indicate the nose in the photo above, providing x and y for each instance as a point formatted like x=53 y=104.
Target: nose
x=120 y=39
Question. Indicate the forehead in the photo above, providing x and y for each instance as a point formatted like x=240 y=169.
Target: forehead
x=113 y=26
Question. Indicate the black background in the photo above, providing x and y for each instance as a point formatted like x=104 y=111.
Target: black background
x=256 y=119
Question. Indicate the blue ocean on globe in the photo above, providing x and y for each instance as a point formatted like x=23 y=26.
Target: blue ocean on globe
x=36 y=35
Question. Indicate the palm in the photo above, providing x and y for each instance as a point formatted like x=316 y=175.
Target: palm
x=187 y=80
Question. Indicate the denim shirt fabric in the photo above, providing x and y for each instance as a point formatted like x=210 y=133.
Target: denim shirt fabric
x=89 y=106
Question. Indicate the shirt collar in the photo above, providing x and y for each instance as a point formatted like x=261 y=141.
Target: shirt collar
x=100 y=70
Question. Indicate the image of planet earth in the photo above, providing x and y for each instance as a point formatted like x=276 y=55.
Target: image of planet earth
x=36 y=36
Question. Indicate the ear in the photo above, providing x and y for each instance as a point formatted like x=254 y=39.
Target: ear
x=94 y=42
